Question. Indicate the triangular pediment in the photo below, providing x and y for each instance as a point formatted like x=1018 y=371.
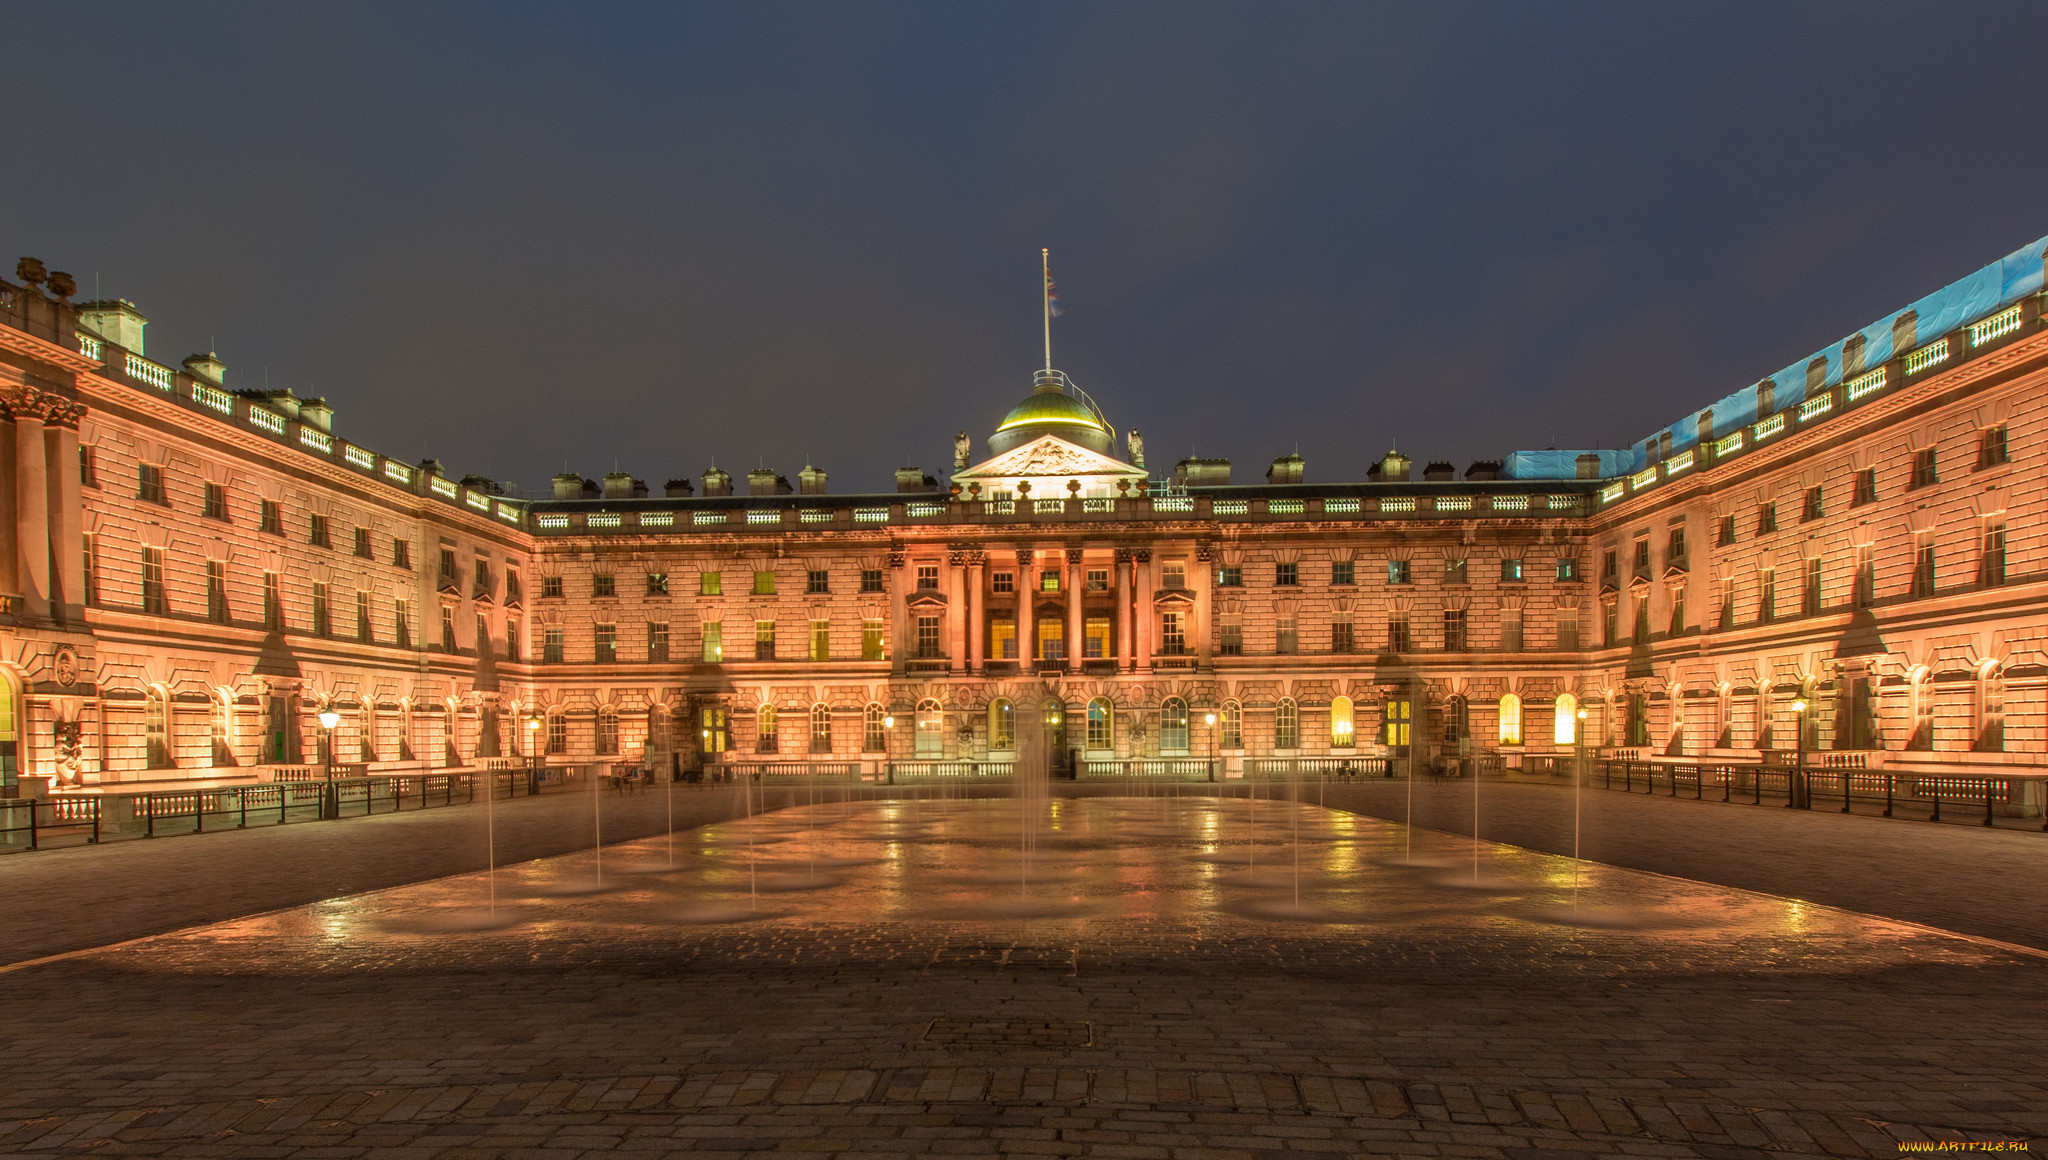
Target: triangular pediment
x=1046 y=457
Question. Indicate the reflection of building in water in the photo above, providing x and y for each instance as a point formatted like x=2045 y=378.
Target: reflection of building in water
x=1856 y=531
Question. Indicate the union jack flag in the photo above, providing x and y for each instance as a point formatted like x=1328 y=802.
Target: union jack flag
x=1052 y=295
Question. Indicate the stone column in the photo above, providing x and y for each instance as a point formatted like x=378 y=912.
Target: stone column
x=1075 y=579
x=977 y=615
x=1027 y=593
x=1205 y=590
x=1126 y=655
x=32 y=512
x=67 y=515
x=901 y=631
x=1142 y=578
x=958 y=593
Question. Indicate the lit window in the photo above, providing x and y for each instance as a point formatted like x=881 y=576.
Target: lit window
x=1342 y=728
x=714 y=643
x=821 y=640
x=710 y=584
x=766 y=734
x=1052 y=640
x=1510 y=720
x=1565 y=723
x=1049 y=580
x=1002 y=640
x=764 y=583
x=1397 y=571
x=871 y=639
x=1095 y=638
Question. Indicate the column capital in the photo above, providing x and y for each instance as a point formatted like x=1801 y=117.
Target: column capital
x=1204 y=551
x=1142 y=555
x=896 y=557
x=1026 y=556
x=1074 y=556
x=52 y=409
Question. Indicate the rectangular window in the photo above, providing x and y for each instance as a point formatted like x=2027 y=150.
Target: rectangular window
x=154 y=600
x=1642 y=558
x=874 y=735
x=1676 y=625
x=1866 y=575
x=764 y=640
x=1230 y=639
x=446 y=575
x=363 y=633
x=217 y=591
x=514 y=630
x=764 y=583
x=88 y=466
x=1341 y=572
x=871 y=640
x=1002 y=640
x=1455 y=572
x=1049 y=580
x=1395 y=720
x=149 y=483
x=1810 y=507
x=1098 y=578
x=1766 y=519
x=710 y=584
x=1866 y=487
x=1397 y=633
x=1610 y=615
x=1002 y=582
x=1510 y=569
x=1454 y=630
x=607 y=644
x=481 y=587
x=512 y=590
x=1924 y=469
x=1674 y=544
x=550 y=587
x=1991 y=567
x=551 y=646
x=323 y=616
x=657 y=642
x=1642 y=631
x=927 y=577
x=92 y=569
x=483 y=635
x=216 y=502
x=1767 y=596
x=871 y=580
x=1052 y=640
x=657 y=584
x=1608 y=569
x=1727 y=532
x=1568 y=629
x=1287 y=635
x=1810 y=591
x=270 y=517
x=927 y=638
x=1923 y=567
x=1991 y=447
x=316 y=532
x=1172 y=574
x=713 y=651
x=401 y=623
x=401 y=554
x=1567 y=568
x=1341 y=640
x=1397 y=571
x=1286 y=575
x=817 y=580
x=363 y=550
x=821 y=640
x=1173 y=637
x=558 y=734
x=604 y=584
x=448 y=628
x=1511 y=630
x=1230 y=576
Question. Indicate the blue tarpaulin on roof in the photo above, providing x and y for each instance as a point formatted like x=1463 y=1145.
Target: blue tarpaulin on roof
x=1959 y=303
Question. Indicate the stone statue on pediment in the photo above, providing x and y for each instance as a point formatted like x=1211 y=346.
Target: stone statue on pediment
x=1136 y=443
x=962 y=448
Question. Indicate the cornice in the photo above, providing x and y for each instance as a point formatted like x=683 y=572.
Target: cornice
x=46 y=351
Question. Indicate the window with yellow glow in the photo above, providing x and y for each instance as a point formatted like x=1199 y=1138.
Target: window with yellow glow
x=1095 y=640
x=1052 y=640
x=1565 y=729
x=1002 y=640
x=1510 y=720
x=1341 y=724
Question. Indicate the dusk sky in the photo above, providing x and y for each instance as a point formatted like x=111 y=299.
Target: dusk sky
x=511 y=237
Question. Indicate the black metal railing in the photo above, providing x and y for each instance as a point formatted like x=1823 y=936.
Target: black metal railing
x=1839 y=785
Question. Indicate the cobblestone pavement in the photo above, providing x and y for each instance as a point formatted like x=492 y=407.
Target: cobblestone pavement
x=1132 y=978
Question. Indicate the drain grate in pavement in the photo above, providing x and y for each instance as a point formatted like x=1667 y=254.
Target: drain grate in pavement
x=1008 y=1033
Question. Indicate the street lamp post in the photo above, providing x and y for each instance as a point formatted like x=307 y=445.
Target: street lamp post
x=888 y=764
x=1798 y=796
x=328 y=720
x=1209 y=719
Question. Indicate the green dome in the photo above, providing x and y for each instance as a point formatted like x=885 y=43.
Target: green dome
x=1050 y=408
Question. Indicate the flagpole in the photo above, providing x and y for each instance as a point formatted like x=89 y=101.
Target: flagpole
x=1045 y=292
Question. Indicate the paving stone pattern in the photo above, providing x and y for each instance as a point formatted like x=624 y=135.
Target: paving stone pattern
x=1165 y=1001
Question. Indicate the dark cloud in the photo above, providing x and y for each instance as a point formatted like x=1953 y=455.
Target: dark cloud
x=659 y=235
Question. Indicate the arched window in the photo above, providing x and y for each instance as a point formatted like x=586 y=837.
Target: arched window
x=1990 y=708
x=1457 y=721
x=874 y=734
x=156 y=727
x=1053 y=717
x=364 y=724
x=405 y=746
x=766 y=735
x=1101 y=724
x=607 y=730
x=1173 y=725
x=1286 y=725
x=10 y=736
x=1233 y=725
x=931 y=730
x=1342 y=726
x=821 y=728
x=1565 y=729
x=1002 y=725
x=1510 y=719
x=558 y=733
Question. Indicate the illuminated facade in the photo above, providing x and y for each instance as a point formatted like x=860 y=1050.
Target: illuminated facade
x=195 y=573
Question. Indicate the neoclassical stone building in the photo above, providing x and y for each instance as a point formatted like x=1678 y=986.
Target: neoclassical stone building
x=193 y=573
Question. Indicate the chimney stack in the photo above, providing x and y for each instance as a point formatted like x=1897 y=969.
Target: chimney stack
x=811 y=481
x=116 y=320
x=209 y=367
x=678 y=489
x=568 y=485
x=618 y=485
x=717 y=482
x=1286 y=469
x=1589 y=465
